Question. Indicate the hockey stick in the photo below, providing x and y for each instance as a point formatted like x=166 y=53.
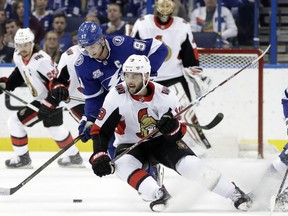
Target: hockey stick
x=19 y=99
x=217 y=119
x=155 y=131
x=76 y=98
x=10 y=191
x=273 y=201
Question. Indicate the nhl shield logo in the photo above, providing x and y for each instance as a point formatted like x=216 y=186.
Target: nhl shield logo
x=181 y=144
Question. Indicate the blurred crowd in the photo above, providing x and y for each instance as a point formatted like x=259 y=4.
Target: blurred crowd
x=55 y=22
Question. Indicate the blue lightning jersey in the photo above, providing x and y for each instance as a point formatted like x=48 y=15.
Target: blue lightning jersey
x=98 y=77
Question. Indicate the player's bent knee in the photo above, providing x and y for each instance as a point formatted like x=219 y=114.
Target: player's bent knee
x=125 y=165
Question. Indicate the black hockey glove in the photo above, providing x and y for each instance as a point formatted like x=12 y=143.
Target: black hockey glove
x=168 y=125
x=60 y=92
x=101 y=164
x=47 y=108
x=3 y=81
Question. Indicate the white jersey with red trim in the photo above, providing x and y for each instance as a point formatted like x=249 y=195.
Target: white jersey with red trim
x=138 y=114
x=68 y=58
x=174 y=34
x=36 y=72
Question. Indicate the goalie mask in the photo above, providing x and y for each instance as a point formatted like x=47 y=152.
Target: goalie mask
x=164 y=9
x=138 y=64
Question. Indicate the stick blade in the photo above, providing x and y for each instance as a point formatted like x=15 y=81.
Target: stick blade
x=218 y=118
x=5 y=191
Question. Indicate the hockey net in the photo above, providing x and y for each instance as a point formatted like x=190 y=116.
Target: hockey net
x=240 y=100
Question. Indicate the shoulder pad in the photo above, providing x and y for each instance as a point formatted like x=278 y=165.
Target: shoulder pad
x=69 y=51
x=38 y=56
x=165 y=90
x=80 y=60
x=118 y=40
x=120 y=89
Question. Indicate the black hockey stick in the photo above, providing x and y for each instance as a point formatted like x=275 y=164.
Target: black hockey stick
x=21 y=100
x=10 y=191
x=155 y=131
x=217 y=119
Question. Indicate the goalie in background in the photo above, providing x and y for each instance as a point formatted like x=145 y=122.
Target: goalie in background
x=124 y=109
x=273 y=176
x=180 y=70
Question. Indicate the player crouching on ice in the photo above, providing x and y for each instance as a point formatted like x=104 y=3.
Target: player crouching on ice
x=128 y=107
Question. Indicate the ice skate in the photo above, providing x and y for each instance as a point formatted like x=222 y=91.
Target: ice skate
x=72 y=161
x=19 y=162
x=160 y=203
x=240 y=200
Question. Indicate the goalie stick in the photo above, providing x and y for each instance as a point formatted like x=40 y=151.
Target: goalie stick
x=155 y=131
x=217 y=119
x=10 y=191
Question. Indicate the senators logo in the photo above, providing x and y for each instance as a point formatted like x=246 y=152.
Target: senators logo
x=147 y=123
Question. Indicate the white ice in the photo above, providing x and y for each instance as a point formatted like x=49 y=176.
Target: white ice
x=52 y=191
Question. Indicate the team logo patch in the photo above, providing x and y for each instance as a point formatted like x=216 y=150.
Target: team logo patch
x=80 y=60
x=181 y=144
x=118 y=40
x=22 y=112
x=97 y=74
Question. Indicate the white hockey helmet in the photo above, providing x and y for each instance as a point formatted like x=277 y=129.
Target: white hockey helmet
x=165 y=7
x=137 y=64
x=24 y=35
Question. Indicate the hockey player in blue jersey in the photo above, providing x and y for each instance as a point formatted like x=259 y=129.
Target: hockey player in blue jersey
x=99 y=66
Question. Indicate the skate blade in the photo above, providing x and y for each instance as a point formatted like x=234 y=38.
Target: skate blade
x=73 y=166
x=22 y=167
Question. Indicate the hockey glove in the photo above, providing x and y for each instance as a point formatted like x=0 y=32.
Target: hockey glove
x=284 y=155
x=3 y=81
x=168 y=125
x=85 y=128
x=60 y=92
x=47 y=107
x=45 y=110
x=101 y=164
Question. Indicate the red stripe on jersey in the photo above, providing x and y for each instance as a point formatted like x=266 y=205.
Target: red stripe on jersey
x=120 y=127
x=161 y=26
x=137 y=177
x=76 y=114
x=28 y=118
x=95 y=130
x=68 y=140
x=145 y=98
x=200 y=21
x=19 y=141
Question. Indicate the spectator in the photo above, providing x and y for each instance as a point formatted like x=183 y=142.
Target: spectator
x=205 y=19
x=115 y=26
x=44 y=16
x=11 y=27
x=70 y=8
x=2 y=19
x=34 y=25
x=180 y=10
x=59 y=25
x=74 y=37
x=99 y=8
x=7 y=8
x=92 y=16
x=6 y=53
x=51 y=46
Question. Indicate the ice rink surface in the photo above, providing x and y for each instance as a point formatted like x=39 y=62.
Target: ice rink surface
x=52 y=191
